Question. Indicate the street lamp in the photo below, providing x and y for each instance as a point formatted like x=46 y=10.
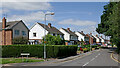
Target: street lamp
x=52 y=13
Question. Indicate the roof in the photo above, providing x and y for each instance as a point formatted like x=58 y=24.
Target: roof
x=81 y=33
x=70 y=32
x=51 y=30
x=11 y=24
x=91 y=35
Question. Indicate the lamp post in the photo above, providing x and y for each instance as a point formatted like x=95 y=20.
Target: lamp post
x=52 y=13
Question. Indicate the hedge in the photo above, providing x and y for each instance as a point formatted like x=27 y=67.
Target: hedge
x=54 y=51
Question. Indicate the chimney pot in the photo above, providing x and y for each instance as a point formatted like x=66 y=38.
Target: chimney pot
x=68 y=29
x=49 y=25
x=96 y=35
x=81 y=31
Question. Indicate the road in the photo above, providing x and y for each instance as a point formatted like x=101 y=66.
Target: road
x=95 y=58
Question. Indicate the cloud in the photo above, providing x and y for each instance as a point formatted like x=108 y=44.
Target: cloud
x=27 y=6
x=77 y=22
x=58 y=0
x=27 y=0
x=30 y=17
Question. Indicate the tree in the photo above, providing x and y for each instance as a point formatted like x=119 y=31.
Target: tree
x=110 y=22
x=53 y=40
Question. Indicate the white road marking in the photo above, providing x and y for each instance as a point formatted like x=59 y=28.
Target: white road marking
x=91 y=60
x=86 y=64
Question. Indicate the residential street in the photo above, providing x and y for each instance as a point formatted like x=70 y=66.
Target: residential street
x=95 y=58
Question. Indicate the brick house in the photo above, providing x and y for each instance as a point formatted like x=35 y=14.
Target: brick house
x=11 y=30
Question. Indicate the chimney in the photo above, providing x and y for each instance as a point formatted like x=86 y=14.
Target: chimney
x=49 y=25
x=3 y=23
x=68 y=29
x=3 y=31
x=96 y=35
x=90 y=33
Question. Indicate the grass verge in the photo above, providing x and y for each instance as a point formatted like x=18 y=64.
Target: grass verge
x=19 y=60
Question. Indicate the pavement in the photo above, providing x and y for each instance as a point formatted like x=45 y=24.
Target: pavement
x=94 y=58
x=115 y=57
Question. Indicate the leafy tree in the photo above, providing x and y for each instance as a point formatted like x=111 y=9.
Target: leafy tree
x=53 y=40
x=110 y=22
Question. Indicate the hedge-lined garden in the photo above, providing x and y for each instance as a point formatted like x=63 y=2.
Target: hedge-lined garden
x=54 y=51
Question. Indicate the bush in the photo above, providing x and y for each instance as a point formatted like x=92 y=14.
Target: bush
x=53 y=40
x=20 y=40
x=52 y=51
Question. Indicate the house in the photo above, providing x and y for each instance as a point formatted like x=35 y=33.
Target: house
x=81 y=35
x=92 y=39
x=102 y=40
x=70 y=37
x=11 y=30
x=98 y=40
x=39 y=30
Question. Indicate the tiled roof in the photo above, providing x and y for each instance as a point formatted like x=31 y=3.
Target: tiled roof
x=70 y=32
x=9 y=25
x=82 y=33
x=51 y=29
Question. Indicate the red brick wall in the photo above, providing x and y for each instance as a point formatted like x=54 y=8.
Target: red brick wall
x=0 y=37
x=8 y=37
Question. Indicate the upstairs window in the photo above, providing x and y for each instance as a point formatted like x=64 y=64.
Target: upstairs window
x=34 y=34
x=17 y=32
x=23 y=33
x=53 y=34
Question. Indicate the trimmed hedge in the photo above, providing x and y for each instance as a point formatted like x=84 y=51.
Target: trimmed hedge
x=54 y=51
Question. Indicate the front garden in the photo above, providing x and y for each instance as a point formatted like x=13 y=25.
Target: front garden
x=86 y=48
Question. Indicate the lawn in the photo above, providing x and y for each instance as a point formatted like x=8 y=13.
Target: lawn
x=19 y=60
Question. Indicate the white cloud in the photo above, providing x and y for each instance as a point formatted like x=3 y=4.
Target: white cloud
x=77 y=22
x=28 y=6
x=58 y=0
x=26 y=0
x=31 y=17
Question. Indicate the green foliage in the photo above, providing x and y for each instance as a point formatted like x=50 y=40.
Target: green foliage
x=52 y=51
x=53 y=40
x=110 y=22
x=19 y=60
x=20 y=40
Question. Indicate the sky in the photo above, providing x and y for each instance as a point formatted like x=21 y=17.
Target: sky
x=78 y=16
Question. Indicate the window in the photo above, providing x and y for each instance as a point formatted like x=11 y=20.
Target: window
x=53 y=34
x=17 y=32
x=23 y=33
x=34 y=34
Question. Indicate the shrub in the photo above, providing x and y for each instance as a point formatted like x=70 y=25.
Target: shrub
x=53 y=40
x=52 y=51
x=20 y=40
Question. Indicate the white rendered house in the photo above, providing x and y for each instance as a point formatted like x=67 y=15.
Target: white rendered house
x=38 y=31
x=81 y=35
x=70 y=37
x=97 y=39
x=102 y=40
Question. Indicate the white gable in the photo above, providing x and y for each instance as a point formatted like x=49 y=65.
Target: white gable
x=39 y=30
x=66 y=34
x=80 y=36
